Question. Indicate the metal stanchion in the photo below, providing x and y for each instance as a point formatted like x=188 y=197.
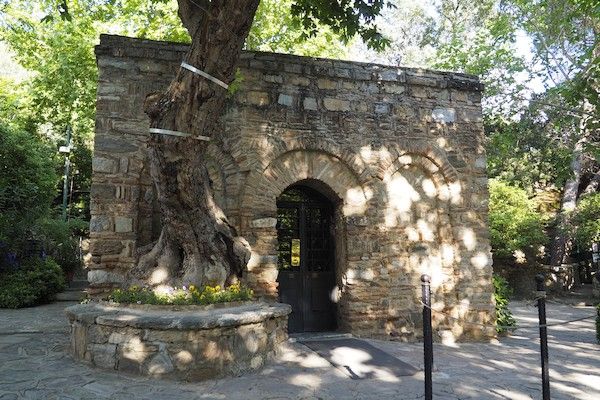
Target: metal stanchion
x=427 y=335
x=541 y=295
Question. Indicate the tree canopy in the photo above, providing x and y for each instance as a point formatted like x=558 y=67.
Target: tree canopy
x=539 y=60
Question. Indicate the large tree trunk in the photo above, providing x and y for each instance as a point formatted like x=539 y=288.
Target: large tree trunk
x=561 y=239
x=561 y=242
x=197 y=244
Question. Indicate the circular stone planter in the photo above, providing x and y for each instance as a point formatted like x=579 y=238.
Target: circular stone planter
x=181 y=342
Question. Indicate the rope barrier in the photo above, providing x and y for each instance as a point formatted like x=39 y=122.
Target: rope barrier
x=508 y=327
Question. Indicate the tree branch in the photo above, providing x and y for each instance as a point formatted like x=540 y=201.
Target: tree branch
x=557 y=62
x=192 y=13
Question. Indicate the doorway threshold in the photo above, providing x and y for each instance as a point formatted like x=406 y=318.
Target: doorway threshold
x=317 y=336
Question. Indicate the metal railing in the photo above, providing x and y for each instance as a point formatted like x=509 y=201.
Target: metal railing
x=542 y=325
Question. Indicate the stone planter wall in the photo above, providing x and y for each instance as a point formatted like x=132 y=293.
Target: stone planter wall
x=188 y=343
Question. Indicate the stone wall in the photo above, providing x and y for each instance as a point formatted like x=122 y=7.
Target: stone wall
x=187 y=342
x=399 y=150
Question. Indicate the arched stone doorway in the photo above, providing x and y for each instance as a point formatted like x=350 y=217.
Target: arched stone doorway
x=306 y=257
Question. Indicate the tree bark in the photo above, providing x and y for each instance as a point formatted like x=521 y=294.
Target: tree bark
x=561 y=239
x=197 y=244
x=593 y=185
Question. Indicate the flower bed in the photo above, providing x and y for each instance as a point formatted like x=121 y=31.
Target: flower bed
x=181 y=296
x=187 y=342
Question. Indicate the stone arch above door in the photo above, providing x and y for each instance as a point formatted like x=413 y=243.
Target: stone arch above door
x=263 y=187
x=259 y=204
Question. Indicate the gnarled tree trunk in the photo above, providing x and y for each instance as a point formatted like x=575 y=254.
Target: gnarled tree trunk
x=561 y=241
x=560 y=244
x=197 y=244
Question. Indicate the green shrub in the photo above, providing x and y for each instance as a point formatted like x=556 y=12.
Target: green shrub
x=515 y=225
x=36 y=282
x=587 y=221
x=502 y=293
x=60 y=240
x=27 y=183
x=182 y=296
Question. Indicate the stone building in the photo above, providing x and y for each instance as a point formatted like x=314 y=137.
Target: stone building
x=349 y=180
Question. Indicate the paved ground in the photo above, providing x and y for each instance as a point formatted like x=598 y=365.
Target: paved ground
x=33 y=365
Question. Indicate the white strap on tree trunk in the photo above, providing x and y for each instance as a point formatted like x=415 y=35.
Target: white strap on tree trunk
x=176 y=133
x=204 y=74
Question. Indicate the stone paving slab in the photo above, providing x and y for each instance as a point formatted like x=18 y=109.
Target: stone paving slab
x=36 y=366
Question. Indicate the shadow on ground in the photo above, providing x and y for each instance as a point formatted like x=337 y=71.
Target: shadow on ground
x=34 y=365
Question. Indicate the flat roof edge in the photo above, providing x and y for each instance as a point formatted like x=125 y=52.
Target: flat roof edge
x=123 y=46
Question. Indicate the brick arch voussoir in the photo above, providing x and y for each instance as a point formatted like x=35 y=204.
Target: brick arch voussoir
x=223 y=170
x=432 y=161
x=280 y=146
x=427 y=154
x=263 y=187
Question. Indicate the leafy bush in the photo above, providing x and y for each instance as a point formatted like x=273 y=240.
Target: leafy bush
x=35 y=282
x=27 y=182
x=27 y=187
x=502 y=293
x=182 y=296
x=587 y=221
x=60 y=240
x=515 y=225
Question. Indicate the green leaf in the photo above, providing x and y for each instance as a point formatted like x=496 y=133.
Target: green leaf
x=48 y=18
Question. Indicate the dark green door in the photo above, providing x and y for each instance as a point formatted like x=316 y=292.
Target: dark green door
x=306 y=259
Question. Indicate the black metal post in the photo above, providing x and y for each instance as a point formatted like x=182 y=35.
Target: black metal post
x=543 y=335
x=427 y=335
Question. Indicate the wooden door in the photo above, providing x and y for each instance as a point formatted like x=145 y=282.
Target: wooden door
x=306 y=259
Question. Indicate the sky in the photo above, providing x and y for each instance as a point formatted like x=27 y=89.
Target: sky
x=411 y=54
x=8 y=67
x=405 y=50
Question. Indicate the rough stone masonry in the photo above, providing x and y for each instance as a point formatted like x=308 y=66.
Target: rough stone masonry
x=398 y=150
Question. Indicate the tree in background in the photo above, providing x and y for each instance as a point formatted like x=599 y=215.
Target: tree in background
x=566 y=58
x=275 y=29
x=516 y=228
x=527 y=154
x=192 y=224
x=61 y=91
x=27 y=185
x=587 y=221
x=57 y=47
